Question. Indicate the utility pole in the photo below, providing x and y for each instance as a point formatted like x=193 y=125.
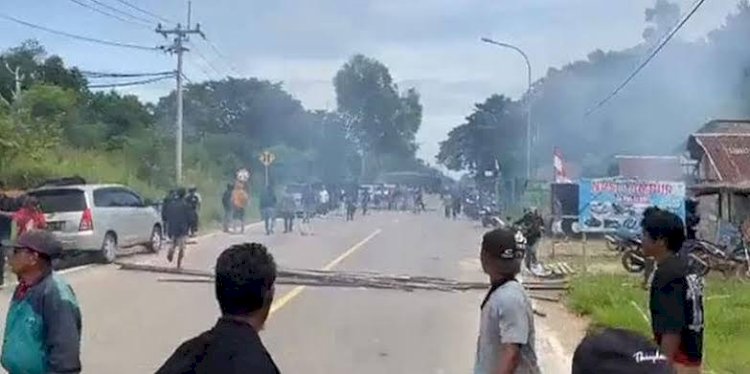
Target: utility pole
x=528 y=97
x=181 y=35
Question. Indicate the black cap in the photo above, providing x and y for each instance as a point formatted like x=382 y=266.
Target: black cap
x=40 y=241
x=502 y=243
x=618 y=351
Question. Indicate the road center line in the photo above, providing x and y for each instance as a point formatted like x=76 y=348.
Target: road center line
x=289 y=296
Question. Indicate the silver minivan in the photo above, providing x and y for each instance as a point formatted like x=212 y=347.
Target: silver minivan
x=99 y=217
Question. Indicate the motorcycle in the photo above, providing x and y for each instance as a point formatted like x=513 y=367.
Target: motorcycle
x=490 y=216
x=712 y=254
x=619 y=242
x=634 y=260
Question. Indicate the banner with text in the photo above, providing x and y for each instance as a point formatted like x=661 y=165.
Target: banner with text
x=610 y=205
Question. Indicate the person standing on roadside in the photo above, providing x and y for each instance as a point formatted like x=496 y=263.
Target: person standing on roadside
x=28 y=217
x=194 y=201
x=226 y=203
x=676 y=295
x=268 y=208
x=287 y=209
x=178 y=216
x=533 y=224
x=240 y=199
x=43 y=325
x=245 y=277
x=506 y=332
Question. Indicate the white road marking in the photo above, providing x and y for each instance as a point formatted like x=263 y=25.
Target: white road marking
x=289 y=296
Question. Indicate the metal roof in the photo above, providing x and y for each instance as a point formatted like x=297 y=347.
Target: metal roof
x=661 y=168
x=727 y=153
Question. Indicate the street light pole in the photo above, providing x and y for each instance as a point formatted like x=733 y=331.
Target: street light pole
x=528 y=97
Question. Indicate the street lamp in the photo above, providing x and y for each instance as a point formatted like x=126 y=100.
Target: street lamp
x=528 y=96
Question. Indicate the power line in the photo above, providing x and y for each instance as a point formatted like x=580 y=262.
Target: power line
x=207 y=62
x=79 y=37
x=223 y=57
x=96 y=74
x=651 y=56
x=185 y=77
x=115 y=16
x=133 y=83
x=144 y=11
x=202 y=69
x=122 y=12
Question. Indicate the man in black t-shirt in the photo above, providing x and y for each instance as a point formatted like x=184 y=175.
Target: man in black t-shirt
x=676 y=299
x=245 y=277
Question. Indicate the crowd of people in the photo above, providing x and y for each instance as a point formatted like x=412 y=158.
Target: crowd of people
x=43 y=327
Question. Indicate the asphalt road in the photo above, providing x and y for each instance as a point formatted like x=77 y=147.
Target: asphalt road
x=132 y=322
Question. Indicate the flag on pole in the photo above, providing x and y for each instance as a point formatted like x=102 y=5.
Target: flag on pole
x=561 y=175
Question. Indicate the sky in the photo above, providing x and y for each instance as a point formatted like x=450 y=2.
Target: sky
x=432 y=45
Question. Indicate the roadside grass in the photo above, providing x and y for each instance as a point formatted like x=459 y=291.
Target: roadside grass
x=614 y=300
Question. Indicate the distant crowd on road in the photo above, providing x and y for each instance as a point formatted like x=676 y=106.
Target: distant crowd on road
x=44 y=320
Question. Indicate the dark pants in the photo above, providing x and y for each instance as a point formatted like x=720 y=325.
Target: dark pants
x=5 y=231
x=288 y=221
x=531 y=258
x=227 y=218
x=269 y=217
x=193 y=222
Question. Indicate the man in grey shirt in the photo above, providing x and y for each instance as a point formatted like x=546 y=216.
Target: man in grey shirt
x=506 y=332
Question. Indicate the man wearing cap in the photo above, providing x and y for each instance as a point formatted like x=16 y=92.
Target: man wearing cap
x=506 y=332
x=43 y=326
x=618 y=351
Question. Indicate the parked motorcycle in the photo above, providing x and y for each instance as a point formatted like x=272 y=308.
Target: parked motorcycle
x=634 y=260
x=714 y=255
x=619 y=242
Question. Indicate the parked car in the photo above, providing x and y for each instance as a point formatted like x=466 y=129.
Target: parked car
x=100 y=218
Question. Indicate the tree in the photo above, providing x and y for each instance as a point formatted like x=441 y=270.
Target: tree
x=35 y=67
x=383 y=122
x=492 y=135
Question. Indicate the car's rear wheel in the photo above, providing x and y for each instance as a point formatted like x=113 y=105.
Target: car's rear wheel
x=108 y=252
x=155 y=243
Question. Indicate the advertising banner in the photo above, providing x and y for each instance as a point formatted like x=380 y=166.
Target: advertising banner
x=610 y=205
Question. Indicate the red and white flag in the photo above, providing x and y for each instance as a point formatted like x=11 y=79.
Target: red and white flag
x=560 y=174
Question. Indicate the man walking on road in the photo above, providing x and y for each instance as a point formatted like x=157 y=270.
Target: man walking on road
x=287 y=209
x=245 y=276
x=676 y=296
x=43 y=326
x=506 y=332
x=178 y=216
x=268 y=209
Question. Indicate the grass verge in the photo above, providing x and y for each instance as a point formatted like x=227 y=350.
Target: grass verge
x=613 y=300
